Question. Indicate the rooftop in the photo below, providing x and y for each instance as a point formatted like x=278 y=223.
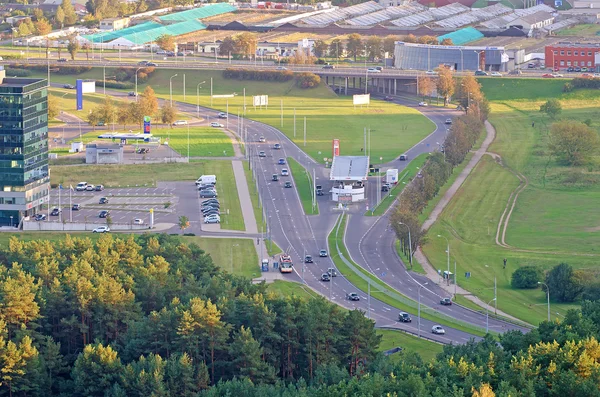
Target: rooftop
x=575 y=45
x=349 y=168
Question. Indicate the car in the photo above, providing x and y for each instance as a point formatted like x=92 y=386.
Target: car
x=548 y=76
x=212 y=219
x=329 y=67
x=100 y=123
x=161 y=52
x=557 y=75
x=531 y=65
x=577 y=69
x=262 y=139
x=388 y=98
x=103 y=200
x=373 y=70
x=210 y=201
x=445 y=301
x=99 y=188
x=448 y=121
x=385 y=188
x=423 y=104
x=287 y=184
x=285 y=172
x=208 y=208
x=55 y=211
x=281 y=68
x=325 y=277
x=216 y=125
x=210 y=205
x=62 y=60
x=352 y=296
x=89 y=188
x=480 y=73
x=39 y=217
x=103 y=214
x=204 y=186
x=76 y=207
x=207 y=194
x=584 y=69
x=308 y=259
x=431 y=72
x=180 y=54
x=332 y=272
x=403 y=157
x=277 y=146
x=101 y=229
x=404 y=317
x=138 y=221
x=274 y=177
x=496 y=74
x=570 y=69
x=281 y=161
x=69 y=86
x=152 y=64
x=516 y=72
x=586 y=75
x=209 y=190
x=262 y=154
x=143 y=63
x=211 y=213
x=596 y=75
x=180 y=122
x=132 y=93
x=438 y=330
x=81 y=186
x=222 y=115
x=323 y=253
x=320 y=192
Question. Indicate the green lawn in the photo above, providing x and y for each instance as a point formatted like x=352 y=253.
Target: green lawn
x=148 y=174
x=394 y=129
x=303 y=183
x=258 y=214
x=272 y=248
x=416 y=266
x=67 y=101
x=426 y=349
x=586 y=29
x=234 y=255
x=288 y=288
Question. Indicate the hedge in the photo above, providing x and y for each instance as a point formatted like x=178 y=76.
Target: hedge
x=258 y=75
x=114 y=84
x=17 y=72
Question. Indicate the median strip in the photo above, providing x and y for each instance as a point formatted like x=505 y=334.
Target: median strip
x=304 y=185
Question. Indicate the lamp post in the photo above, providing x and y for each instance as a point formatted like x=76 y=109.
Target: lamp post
x=136 y=90
x=198 y=99
x=448 y=256
x=419 y=311
x=479 y=59
x=487 y=316
x=171 y=88
x=409 y=244
x=462 y=62
x=366 y=80
x=548 y=294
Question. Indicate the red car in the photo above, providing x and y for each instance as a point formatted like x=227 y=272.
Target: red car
x=548 y=76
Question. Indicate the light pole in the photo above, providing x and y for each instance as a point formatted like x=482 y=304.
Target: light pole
x=198 y=99
x=171 y=88
x=487 y=316
x=479 y=59
x=548 y=294
x=448 y=256
x=419 y=311
x=462 y=62
x=136 y=91
x=231 y=254
x=409 y=244
x=366 y=80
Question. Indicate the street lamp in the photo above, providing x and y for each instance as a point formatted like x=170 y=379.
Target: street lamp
x=11 y=218
x=409 y=244
x=136 y=91
x=171 y=88
x=419 y=311
x=479 y=59
x=487 y=315
x=548 y=294
x=198 y=99
x=448 y=252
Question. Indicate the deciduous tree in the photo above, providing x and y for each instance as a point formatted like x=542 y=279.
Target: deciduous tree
x=564 y=284
x=374 y=48
x=552 y=108
x=69 y=10
x=354 y=45
x=184 y=223
x=168 y=113
x=166 y=42
x=446 y=84
x=425 y=85
x=227 y=46
x=246 y=43
x=573 y=143
x=53 y=107
x=389 y=44
x=320 y=48
x=73 y=48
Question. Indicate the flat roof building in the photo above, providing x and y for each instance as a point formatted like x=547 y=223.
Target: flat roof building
x=24 y=175
x=429 y=57
x=349 y=174
x=572 y=55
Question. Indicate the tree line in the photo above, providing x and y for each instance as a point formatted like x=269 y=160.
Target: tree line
x=303 y=80
x=152 y=316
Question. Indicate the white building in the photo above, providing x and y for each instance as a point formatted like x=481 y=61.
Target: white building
x=534 y=21
x=349 y=174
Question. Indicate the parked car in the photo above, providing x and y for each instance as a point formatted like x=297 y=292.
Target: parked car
x=308 y=259
x=103 y=214
x=388 y=98
x=277 y=146
x=445 y=301
x=39 y=217
x=103 y=200
x=423 y=104
x=69 y=86
x=584 y=69
x=180 y=122
x=496 y=74
x=262 y=154
x=76 y=207
x=212 y=219
x=352 y=296
x=557 y=75
x=570 y=69
x=548 y=76
x=101 y=229
x=438 y=330
x=55 y=212
x=577 y=69
x=281 y=161
x=81 y=186
x=216 y=125
x=89 y=188
x=480 y=73
x=404 y=317
x=99 y=188
x=323 y=253
x=325 y=277
x=320 y=192
x=287 y=184
x=285 y=172
x=207 y=194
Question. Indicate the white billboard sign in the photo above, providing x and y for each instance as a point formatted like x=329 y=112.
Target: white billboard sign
x=363 y=99
x=260 y=100
x=224 y=96
x=88 y=86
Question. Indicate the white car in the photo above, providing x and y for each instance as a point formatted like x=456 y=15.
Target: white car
x=81 y=186
x=557 y=75
x=496 y=74
x=285 y=172
x=438 y=330
x=596 y=75
x=423 y=104
x=216 y=125
x=180 y=122
x=138 y=221
x=102 y=229
x=281 y=68
x=373 y=70
x=262 y=139
x=222 y=115
x=431 y=72
x=212 y=219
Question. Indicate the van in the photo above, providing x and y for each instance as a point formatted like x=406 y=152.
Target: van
x=207 y=179
x=81 y=186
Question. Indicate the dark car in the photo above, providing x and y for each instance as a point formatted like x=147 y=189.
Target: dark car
x=143 y=63
x=151 y=64
x=332 y=272
x=210 y=201
x=308 y=259
x=69 y=86
x=281 y=162
x=480 y=73
x=62 y=60
x=320 y=192
x=352 y=296
x=329 y=67
x=99 y=188
x=325 y=277
x=76 y=207
x=288 y=184
x=39 y=217
x=103 y=200
x=403 y=157
x=388 y=98
x=385 y=188
x=570 y=69
x=577 y=69
x=132 y=93
x=275 y=177
x=55 y=212
x=404 y=317
x=208 y=194
x=445 y=301
x=103 y=214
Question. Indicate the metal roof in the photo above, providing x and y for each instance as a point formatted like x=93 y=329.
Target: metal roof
x=349 y=168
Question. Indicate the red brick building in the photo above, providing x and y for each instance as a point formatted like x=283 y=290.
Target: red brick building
x=564 y=55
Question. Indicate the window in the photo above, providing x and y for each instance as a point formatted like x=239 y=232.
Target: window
x=562 y=53
x=568 y=52
x=568 y=63
x=589 y=63
x=562 y=63
x=589 y=53
x=555 y=52
x=576 y=53
x=576 y=63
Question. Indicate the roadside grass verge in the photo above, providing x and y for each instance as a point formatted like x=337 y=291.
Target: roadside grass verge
x=233 y=255
x=258 y=214
x=403 y=179
x=361 y=279
x=416 y=266
x=303 y=183
x=289 y=288
x=390 y=339
x=272 y=248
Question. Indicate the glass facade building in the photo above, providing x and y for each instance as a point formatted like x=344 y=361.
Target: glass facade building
x=24 y=175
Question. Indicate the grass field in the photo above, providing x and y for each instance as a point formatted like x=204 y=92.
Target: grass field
x=288 y=288
x=586 y=29
x=258 y=215
x=303 y=182
x=272 y=248
x=234 y=255
x=394 y=129
x=149 y=174
x=67 y=102
x=426 y=349
x=416 y=266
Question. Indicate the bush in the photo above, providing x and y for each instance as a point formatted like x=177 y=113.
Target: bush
x=585 y=82
x=70 y=70
x=18 y=72
x=568 y=87
x=307 y=80
x=526 y=277
x=115 y=84
x=258 y=75
x=189 y=234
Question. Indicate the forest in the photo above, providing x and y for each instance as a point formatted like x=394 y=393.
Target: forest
x=151 y=316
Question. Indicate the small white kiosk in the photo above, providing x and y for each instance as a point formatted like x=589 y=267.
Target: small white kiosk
x=349 y=174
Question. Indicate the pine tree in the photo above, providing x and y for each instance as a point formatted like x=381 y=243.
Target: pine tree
x=245 y=353
x=96 y=369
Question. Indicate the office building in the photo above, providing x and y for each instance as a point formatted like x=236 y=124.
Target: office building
x=429 y=57
x=572 y=55
x=24 y=176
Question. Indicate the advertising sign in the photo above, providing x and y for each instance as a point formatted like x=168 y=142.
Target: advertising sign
x=336 y=147
x=363 y=99
x=260 y=100
x=83 y=87
x=146 y=124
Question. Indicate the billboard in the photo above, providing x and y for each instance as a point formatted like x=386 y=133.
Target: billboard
x=260 y=100
x=363 y=99
x=336 y=147
x=146 y=124
x=224 y=96
x=83 y=87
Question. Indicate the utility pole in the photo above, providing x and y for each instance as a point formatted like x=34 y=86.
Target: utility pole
x=244 y=110
x=294 y=122
x=211 y=91
x=281 y=112
x=369 y=299
x=304 y=130
x=495 y=296
x=184 y=85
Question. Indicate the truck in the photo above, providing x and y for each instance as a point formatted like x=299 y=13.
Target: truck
x=207 y=179
x=285 y=264
x=391 y=176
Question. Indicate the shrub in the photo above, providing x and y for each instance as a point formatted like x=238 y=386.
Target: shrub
x=258 y=75
x=568 y=87
x=307 y=80
x=18 y=72
x=115 y=84
x=526 y=277
x=70 y=70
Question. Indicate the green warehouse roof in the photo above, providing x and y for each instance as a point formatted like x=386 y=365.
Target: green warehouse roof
x=462 y=36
